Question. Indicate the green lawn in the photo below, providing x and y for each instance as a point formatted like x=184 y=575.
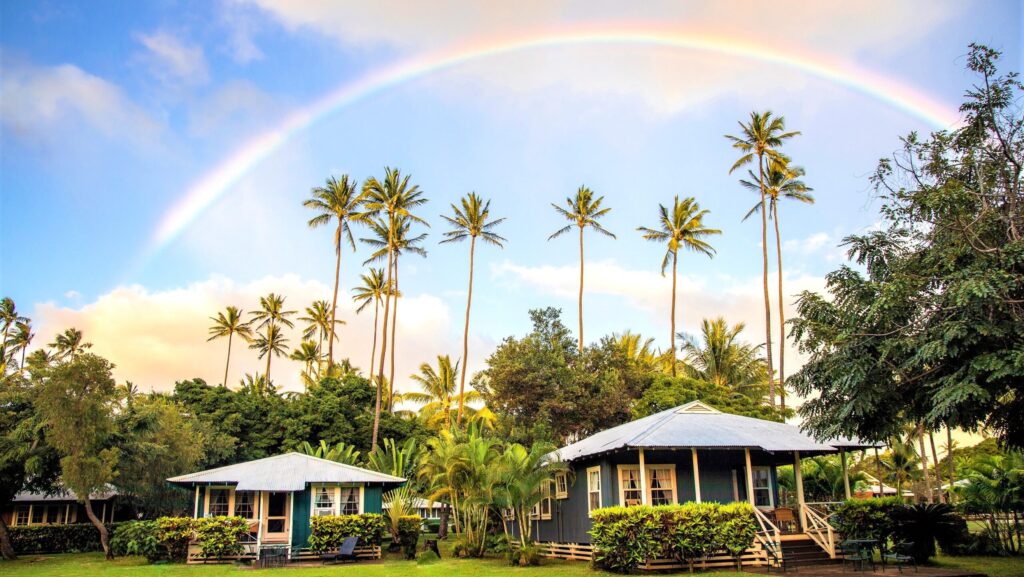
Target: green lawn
x=991 y=566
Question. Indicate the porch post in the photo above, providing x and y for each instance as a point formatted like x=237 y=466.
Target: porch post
x=846 y=474
x=799 y=490
x=750 y=477
x=291 y=521
x=643 y=478
x=195 y=509
x=696 y=476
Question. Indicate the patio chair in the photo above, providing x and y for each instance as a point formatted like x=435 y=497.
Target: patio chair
x=785 y=519
x=346 y=552
x=856 y=555
x=901 y=554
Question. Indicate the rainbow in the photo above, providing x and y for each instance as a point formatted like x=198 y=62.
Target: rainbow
x=218 y=181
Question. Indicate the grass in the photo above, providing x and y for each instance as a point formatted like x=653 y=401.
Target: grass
x=991 y=566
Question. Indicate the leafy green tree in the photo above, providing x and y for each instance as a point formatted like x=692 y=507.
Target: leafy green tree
x=684 y=228
x=760 y=140
x=471 y=221
x=396 y=459
x=995 y=488
x=77 y=398
x=583 y=211
x=526 y=476
x=929 y=327
x=69 y=344
x=721 y=358
x=666 y=392
x=439 y=400
x=308 y=354
x=228 y=324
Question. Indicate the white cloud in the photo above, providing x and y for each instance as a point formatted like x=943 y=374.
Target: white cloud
x=234 y=108
x=241 y=26
x=171 y=60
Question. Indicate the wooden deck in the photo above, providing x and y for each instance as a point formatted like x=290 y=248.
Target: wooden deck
x=837 y=570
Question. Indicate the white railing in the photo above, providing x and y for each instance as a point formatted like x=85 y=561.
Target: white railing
x=824 y=508
x=820 y=531
x=769 y=538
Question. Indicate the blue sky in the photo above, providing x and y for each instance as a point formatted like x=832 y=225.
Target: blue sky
x=111 y=111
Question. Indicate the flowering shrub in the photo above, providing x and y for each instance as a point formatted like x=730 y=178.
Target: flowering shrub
x=328 y=531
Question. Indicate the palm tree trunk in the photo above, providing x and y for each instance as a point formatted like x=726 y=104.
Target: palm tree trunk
x=394 y=325
x=767 y=303
x=334 y=302
x=675 y=257
x=228 y=363
x=952 y=467
x=465 y=333
x=924 y=464
x=24 y=348
x=581 y=290
x=383 y=351
x=879 y=472
x=373 y=351
x=935 y=461
x=104 y=537
x=782 y=314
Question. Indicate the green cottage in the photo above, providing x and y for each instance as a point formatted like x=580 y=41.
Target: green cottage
x=279 y=494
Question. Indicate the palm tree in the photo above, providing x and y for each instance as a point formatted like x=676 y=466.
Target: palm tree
x=269 y=344
x=228 y=324
x=336 y=201
x=22 y=339
x=721 y=358
x=318 y=321
x=760 y=139
x=339 y=453
x=471 y=221
x=682 y=228
x=900 y=464
x=270 y=315
x=69 y=344
x=258 y=385
x=307 y=353
x=438 y=397
x=636 y=348
x=781 y=181
x=9 y=317
x=584 y=211
x=373 y=291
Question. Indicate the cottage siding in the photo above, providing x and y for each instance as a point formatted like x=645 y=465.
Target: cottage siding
x=372 y=500
x=300 y=518
x=716 y=469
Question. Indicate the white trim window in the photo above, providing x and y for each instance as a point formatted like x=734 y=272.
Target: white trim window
x=220 y=503
x=323 y=501
x=351 y=501
x=542 y=510
x=763 y=497
x=245 y=504
x=629 y=486
x=21 y=517
x=561 y=485
x=593 y=489
x=662 y=481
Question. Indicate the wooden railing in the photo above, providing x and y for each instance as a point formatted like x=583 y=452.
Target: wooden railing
x=769 y=538
x=820 y=531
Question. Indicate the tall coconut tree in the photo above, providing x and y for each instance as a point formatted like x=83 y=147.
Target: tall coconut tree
x=759 y=141
x=373 y=291
x=9 y=317
x=438 y=397
x=271 y=316
x=22 y=339
x=307 y=353
x=228 y=324
x=318 y=321
x=782 y=181
x=682 y=226
x=472 y=220
x=583 y=211
x=720 y=357
x=386 y=200
x=338 y=201
x=69 y=344
x=270 y=343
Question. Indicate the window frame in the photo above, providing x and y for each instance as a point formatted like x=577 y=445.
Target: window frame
x=18 y=520
x=646 y=492
x=228 y=490
x=342 y=503
x=561 y=485
x=538 y=510
x=672 y=486
x=252 y=504
x=333 y=494
x=592 y=490
x=768 y=488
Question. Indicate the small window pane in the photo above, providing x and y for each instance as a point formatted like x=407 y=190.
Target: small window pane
x=630 y=487
x=22 y=518
x=218 y=503
x=244 y=504
x=37 y=513
x=350 y=500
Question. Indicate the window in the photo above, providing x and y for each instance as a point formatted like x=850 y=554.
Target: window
x=54 y=514
x=350 y=501
x=38 y=513
x=323 y=502
x=219 y=504
x=277 y=512
x=660 y=490
x=662 y=485
x=542 y=510
x=629 y=486
x=22 y=515
x=593 y=489
x=508 y=514
x=244 y=501
x=762 y=487
x=561 y=486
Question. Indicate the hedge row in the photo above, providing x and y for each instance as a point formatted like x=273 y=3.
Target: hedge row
x=626 y=537
x=328 y=531
x=73 y=538
x=167 y=538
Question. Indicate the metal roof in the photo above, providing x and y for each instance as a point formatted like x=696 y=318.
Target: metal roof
x=697 y=425
x=288 y=472
x=62 y=494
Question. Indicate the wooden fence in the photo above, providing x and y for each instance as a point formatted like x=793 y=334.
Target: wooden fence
x=752 y=557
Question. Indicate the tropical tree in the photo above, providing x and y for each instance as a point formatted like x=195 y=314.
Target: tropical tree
x=9 y=317
x=389 y=200
x=782 y=181
x=995 y=488
x=637 y=349
x=395 y=459
x=900 y=464
x=337 y=201
x=720 y=357
x=760 y=140
x=318 y=321
x=307 y=353
x=439 y=398
x=471 y=220
x=228 y=324
x=339 y=453
x=583 y=211
x=22 y=339
x=373 y=291
x=270 y=343
x=526 y=477
x=69 y=344
x=682 y=227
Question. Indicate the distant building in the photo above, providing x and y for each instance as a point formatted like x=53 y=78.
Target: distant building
x=62 y=508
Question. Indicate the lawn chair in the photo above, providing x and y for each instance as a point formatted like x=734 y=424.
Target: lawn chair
x=901 y=554
x=785 y=519
x=347 y=552
x=856 y=555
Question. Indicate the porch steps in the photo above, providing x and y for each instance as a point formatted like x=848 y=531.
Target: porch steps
x=801 y=551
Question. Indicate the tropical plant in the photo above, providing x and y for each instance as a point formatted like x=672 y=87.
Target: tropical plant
x=22 y=339
x=307 y=353
x=721 y=358
x=900 y=464
x=583 y=211
x=439 y=399
x=921 y=524
x=760 y=140
x=337 y=201
x=682 y=227
x=318 y=321
x=373 y=291
x=69 y=344
x=782 y=181
x=526 y=476
x=470 y=221
x=995 y=488
x=271 y=314
x=270 y=343
x=9 y=317
x=228 y=324
x=339 y=453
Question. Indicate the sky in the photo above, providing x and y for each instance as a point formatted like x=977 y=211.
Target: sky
x=154 y=156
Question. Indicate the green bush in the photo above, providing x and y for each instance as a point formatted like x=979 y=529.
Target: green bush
x=327 y=532
x=528 y=556
x=138 y=538
x=738 y=528
x=923 y=524
x=219 y=537
x=174 y=534
x=73 y=538
x=432 y=525
x=624 y=537
x=409 y=534
x=693 y=531
x=866 y=519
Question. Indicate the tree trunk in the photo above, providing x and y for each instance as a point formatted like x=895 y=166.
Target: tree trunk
x=935 y=461
x=334 y=302
x=675 y=258
x=879 y=472
x=929 y=493
x=442 y=528
x=581 y=290
x=782 y=313
x=394 y=324
x=6 y=547
x=104 y=537
x=373 y=351
x=270 y=355
x=952 y=466
x=465 y=333
x=228 y=363
x=383 y=351
x=764 y=269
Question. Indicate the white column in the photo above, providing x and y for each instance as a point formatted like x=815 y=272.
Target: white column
x=846 y=474
x=750 y=477
x=799 y=490
x=259 y=517
x=643 y=478
x=291 y=510
x=195 y=509
x=696 y=477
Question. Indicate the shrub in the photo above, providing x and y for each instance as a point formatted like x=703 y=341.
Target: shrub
x=738 y=528
x=409 y=534
x=528 y=556
x=922 y=524
x=219 y=536
x=695 y=531
x=432 y=525
x=327 y=532
x=73 y=538
x=138 y=538
x=427 y=557
x=624 y=537
x=174 y=534
x=866 y=519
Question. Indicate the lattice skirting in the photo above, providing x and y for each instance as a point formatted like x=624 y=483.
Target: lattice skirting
x=753 y=557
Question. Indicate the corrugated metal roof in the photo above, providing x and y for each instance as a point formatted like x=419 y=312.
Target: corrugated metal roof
x=62 y=495
x=288 y=472
x=697 y=425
